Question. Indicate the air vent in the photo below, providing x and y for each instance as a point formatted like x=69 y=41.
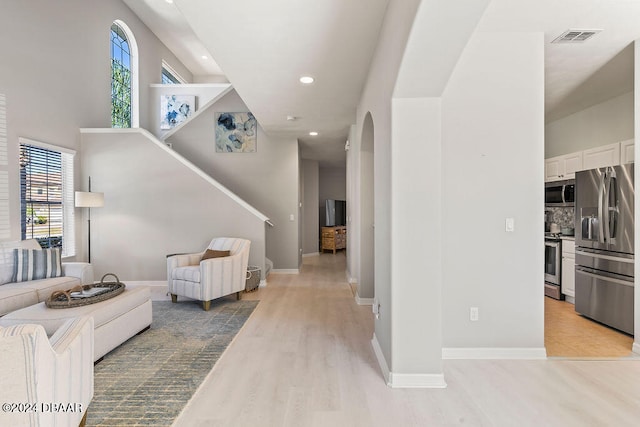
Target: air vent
x=575 y=36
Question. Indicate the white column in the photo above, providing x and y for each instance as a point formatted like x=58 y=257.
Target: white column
x=416 y=243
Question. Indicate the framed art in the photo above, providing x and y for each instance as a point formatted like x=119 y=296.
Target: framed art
x=236 y=132
x=175 y=109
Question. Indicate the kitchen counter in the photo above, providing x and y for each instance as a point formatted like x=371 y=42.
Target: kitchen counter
x=554 y=236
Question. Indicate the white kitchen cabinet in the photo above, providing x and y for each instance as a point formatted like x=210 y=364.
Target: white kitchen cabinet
x=562 y=167
x=568 y=277
x=607 y=155
x=627 y=151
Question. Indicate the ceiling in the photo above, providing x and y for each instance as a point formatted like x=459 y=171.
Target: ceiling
x=263 y=47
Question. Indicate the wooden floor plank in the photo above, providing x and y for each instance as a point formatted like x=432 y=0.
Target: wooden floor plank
x=304 y=358
x=568 y=334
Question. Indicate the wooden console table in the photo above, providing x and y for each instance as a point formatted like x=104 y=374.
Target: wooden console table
x=334 y=238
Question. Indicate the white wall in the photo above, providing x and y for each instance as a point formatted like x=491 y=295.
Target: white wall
x=491 y=119
x=352 y=196
x=152 y=211
x=416 y=245
x=605 y=123
x=333 y=184
x=407 y=41
x=310 y=219
x=376 y=100
x=267 y=179
x=55 y=72
x=493 y=146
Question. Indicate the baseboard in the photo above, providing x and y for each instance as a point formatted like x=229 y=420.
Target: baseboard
x=405 y=380
x=363 y=301
x=159 y=289
x=416 y=381
x=311 y=254
x=286 y=271
x=263 y=283
x=495 y=353
x=636 y=348
x=377 y=350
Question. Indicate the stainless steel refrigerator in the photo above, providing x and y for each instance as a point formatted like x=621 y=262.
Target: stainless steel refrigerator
x=604 y=245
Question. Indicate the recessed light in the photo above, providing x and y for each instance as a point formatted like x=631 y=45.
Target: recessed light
x=307 y=80
x=204 y=57
x=169 y=1
x=313 y=133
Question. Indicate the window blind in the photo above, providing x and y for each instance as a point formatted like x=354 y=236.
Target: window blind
x=46 y=196
x=5 y=224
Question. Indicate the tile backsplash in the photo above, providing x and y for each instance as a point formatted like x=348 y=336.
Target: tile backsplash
x=564 y=217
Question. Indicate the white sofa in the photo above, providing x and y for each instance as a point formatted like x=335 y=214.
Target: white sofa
x=46 y=381
x=14 y=296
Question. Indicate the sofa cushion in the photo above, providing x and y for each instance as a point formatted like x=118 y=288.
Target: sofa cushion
x=190 y=273
x=7 y=258
x=14 y=298
x=34 y=264
x=45 y=287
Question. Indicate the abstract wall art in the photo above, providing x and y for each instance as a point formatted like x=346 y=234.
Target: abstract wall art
x=236 y=132
x=175 y=109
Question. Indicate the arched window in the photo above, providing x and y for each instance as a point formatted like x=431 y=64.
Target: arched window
x=124 y=73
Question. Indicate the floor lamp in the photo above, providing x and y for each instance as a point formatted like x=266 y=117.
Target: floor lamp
x=87 y=199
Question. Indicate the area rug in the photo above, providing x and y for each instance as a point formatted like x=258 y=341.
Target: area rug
x=151 y=377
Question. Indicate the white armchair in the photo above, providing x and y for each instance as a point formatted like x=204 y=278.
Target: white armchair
x=46 y=382
x=204 y=280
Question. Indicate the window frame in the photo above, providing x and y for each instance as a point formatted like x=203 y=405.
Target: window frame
x=171 y=74
x=134 y=76
x=68 y=239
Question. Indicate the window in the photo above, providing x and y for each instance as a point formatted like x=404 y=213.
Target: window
x=5 y=225
x=120 y=78
x=46 y=195
x=124 y=77
x=168 y=78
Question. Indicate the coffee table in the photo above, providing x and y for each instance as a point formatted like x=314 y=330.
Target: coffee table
x=115 y=320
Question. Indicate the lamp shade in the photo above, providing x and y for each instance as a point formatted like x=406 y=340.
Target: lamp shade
x=87 y=199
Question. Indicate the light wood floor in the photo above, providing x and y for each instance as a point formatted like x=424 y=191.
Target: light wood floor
x=304 y=358
x=568 y=334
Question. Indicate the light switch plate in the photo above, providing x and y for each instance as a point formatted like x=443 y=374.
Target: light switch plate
x=509 y=225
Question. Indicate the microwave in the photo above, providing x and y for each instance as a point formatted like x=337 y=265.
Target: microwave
x=560 y=193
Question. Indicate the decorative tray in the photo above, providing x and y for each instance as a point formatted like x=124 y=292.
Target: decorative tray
x=85 y=295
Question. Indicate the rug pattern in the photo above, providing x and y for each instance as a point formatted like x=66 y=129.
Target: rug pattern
x=151 y=377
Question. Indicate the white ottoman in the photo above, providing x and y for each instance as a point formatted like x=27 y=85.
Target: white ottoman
x=115 y=320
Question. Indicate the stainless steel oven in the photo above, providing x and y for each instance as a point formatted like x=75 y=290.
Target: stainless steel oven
x=552 y=267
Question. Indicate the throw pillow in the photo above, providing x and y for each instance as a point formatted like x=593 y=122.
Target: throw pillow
x=7 y=258
x=34 y=264
x=210 y=253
